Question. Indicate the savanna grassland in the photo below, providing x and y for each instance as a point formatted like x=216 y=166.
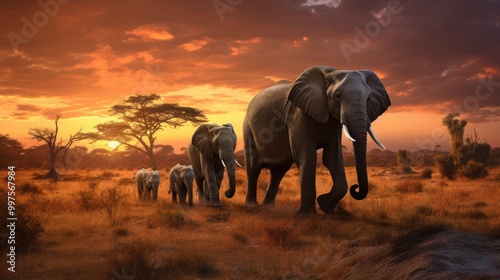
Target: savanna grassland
x=92 y=226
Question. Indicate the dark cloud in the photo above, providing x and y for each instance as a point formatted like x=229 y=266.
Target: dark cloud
x=430 y=55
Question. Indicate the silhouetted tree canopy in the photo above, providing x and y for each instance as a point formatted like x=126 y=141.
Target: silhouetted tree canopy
x=10 y=151
x=141 y=117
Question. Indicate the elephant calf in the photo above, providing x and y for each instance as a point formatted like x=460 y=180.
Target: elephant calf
x=211 y=151
x=147 y=181
x=181 y=183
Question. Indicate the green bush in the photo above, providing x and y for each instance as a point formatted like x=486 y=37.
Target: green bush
x=474 y=170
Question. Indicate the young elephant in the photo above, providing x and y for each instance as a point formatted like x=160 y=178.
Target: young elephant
x=211 y=151
x=147 y=181
x=181 y=183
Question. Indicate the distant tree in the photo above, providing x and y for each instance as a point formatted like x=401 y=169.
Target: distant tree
x=49 y=136
x=403 y=161
x=141 y=118
x=469 y=157
x=456 y=128
x=10 y=151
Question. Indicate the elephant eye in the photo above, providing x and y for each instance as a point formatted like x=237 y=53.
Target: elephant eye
x=336 y=94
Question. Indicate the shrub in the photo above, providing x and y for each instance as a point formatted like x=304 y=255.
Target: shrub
x=409 y=186
x=446 y=166
x=186 y=265
x=87 y=199
x=133 y=259
x=474 y=170
x=110 y=200
x=28 y=225
x=28 y=187
x=426 y=173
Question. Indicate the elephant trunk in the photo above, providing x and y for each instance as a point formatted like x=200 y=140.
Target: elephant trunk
x=360 y=191
x=155 y=192
x=229 y=162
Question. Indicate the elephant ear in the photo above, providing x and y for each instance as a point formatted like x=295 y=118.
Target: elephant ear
x=234 y=133
x=379 y=100
x=309 y=93
x=201 y=140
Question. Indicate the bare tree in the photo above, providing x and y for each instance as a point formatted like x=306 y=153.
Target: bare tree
x=49 y=136
x=141 y=117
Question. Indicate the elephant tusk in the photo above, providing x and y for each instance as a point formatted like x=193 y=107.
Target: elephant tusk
x=237 y=163
x=346 y=132
x=370 y=131
x=223 y=164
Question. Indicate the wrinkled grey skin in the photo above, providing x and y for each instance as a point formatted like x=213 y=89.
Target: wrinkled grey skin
x=148 y=182
x=288 y=122
x=181 y=183
x=210 y=144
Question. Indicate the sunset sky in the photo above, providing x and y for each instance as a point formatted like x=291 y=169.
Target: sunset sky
x=79 y=58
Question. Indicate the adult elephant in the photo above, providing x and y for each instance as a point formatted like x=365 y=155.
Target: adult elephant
x=181 y=183
x=210 y=151
x=288 y=122
x=148 y=182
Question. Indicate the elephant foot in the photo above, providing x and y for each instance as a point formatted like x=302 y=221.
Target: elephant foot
x=215 y=204
x=325 y=203
x=306 y=211
x=269 y=202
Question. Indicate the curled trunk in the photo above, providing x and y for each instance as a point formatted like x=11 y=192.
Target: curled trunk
x=360 y=191
x=229 y=163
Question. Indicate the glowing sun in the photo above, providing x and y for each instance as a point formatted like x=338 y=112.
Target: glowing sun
x=113 y=144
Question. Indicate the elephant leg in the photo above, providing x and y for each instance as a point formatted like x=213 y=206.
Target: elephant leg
x=252 y=178
x=306 y=162
x=200 y=183
x=333 y=160
x=277 y=174
x=252 y=166
x=182 y=194
x=219 y=177
x=174 y=196
x=213 y=190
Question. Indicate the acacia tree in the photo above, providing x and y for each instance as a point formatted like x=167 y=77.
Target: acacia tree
x=49 y=136
x=141 y=117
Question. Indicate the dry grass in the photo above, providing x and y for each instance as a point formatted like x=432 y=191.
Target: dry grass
x=95 y=226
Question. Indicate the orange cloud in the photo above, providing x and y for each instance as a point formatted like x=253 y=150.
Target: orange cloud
x=297 y=43
x=150 y=32
x=195 y=44
x=244 y=46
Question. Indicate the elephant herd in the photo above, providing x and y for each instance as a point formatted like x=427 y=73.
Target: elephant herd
x=285 y=124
